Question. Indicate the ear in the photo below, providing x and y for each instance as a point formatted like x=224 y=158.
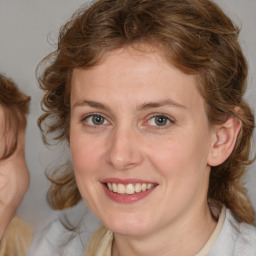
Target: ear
x=224 y=140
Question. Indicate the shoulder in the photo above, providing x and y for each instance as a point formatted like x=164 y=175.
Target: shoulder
x=17 y=238
x=55 y=239
x=245 y=243
x=49 y=240
x=235 y=238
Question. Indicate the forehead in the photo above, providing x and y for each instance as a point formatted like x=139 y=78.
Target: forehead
x=132 y=70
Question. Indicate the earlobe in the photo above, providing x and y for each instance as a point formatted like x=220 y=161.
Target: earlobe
x=224 y=140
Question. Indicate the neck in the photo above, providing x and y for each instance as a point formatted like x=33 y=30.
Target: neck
x=185 y=237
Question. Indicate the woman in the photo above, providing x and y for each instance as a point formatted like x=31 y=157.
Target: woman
x=14 y=176
x=149 y=96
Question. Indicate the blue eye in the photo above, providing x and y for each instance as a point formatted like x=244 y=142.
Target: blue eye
x=159 y=120
x=95 y=120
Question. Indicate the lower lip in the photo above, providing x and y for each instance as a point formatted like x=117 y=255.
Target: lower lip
x=124 y=198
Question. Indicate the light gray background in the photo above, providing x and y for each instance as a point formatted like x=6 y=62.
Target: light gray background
x=26 y=26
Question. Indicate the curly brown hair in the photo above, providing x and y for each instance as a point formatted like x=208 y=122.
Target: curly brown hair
x=196 y=37
x=15 y=107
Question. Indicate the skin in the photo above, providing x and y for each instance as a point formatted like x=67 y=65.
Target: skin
x=14 y=179
x=174 y=219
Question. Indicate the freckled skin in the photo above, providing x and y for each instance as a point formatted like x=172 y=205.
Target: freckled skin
x=131 y=143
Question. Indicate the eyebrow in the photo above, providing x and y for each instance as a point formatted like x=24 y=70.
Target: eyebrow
x=90 y=103
x=144 y=106
x=166 y=102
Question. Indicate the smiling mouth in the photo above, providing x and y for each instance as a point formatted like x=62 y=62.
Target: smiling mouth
x=129 y=189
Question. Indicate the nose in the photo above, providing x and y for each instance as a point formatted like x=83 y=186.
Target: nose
x=124 y=151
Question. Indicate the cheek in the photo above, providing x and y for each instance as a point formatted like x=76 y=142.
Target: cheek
x=84 y=158
x=84 y=161
x=184 y=172
x=181 y=159
x=171 y=153
x=84 y=153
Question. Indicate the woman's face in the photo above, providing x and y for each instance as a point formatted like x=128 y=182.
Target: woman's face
x=14 y=176
x=139 y=126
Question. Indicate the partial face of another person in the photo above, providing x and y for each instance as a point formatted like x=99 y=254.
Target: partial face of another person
x=140 y=142
x=7 y=133
x=2 y=128
x=14 y=176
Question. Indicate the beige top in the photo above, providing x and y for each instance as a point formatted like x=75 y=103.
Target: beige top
x=101 y=241
x=17 y=238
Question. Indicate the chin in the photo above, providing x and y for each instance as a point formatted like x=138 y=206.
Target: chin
x=129 y=226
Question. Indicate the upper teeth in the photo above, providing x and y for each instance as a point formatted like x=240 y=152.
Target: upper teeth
x=129 y=188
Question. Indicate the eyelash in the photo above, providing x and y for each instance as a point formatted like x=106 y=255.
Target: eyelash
x=84 y=120
x=169 y=120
